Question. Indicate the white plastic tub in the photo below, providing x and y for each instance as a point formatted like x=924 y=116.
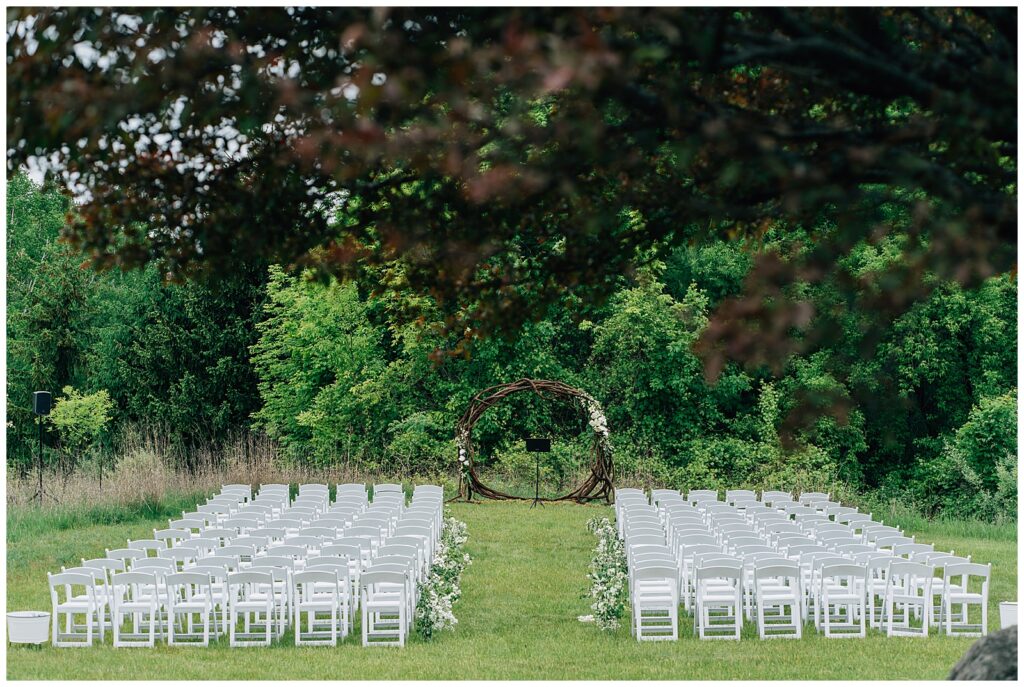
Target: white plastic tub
x=28 y=627
x=1007 y=614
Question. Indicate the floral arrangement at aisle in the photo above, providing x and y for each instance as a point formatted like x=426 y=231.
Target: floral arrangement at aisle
x=440 y=591
x=608 y=576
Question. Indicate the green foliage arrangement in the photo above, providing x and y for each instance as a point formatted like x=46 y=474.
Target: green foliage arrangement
x=439 y=592
x=608 y=576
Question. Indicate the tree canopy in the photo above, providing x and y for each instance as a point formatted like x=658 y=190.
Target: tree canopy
x=505 y=160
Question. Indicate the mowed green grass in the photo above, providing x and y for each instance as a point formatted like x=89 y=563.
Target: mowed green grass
x=517 y=618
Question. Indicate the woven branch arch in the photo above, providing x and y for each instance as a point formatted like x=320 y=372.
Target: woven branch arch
x=598 y=483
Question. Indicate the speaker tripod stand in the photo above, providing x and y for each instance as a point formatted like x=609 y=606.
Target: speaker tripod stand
x=536 y=485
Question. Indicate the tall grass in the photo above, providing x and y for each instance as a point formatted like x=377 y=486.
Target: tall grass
x=149 y=480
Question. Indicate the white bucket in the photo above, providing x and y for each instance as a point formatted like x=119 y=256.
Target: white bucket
x=1007 y=614
x=28 y=627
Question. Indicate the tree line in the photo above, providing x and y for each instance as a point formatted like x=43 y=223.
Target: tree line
x=923 y=410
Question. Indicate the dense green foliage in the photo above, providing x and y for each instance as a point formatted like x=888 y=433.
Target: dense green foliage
x=338 y=377
x=174 y=357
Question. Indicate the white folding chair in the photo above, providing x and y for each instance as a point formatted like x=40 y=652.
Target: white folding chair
x=655 y=602
x=189 y=598
x=135 y=594
x=960 y=593
x=842 y=589
x=718 y=599
x=339 y=566
x=384 y=607
x=73 y=594
x=251 y=600
x=908 y=593
x=777 y=587
x=316 y=594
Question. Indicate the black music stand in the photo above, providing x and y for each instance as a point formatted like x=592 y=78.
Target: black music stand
x=537 y=446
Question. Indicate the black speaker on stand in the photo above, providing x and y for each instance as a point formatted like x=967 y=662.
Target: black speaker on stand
x=537 y=446
x=41 y=404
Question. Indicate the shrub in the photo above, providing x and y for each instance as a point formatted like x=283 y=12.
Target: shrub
x=80 y=420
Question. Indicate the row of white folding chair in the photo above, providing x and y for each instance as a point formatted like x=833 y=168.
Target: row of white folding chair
x=144 y=547
x=254 y=597
x=828 y=624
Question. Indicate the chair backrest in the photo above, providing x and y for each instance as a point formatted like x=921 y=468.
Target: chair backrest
x=844 y=570
x=808 y=496
x=216 y=573
x=852 y=548
x=890 y=542
x=695 y=538
x=181 y=554
x=206 y=518
x=192 y=525
x=125 y=555
x=250 y=577
x=797 y=550
x=147 y=545
x=414 y=530
x=270 y=533
x=352 y=551
x=386 y=488
x=122 y=582
x=314 y=577
x=290 y=550
x=982 y=570
x=172 y=535
x=274 y=488
x=67 y=582
x=350 y=487
x=108 y=565
x=901 y=568
x=328 y=560
x=656 y=572
x=646 y=539
x=226 y=562
x=775 y=568
x=390 y=549
x=204 y=544
x=304 y=541
x=243 y=552
x=288 y=524
x=753 y=548
x=720 y=569
x=258 y=542
x=273 y=562
x=218 y=533
x=908 y=550
x=741 y=540
x=428 y=489
x=159 y=566
x=319 y=532
x=186 y=583
x=372 y=577
x=731 y=495
x=717 y=510
x=697 y=495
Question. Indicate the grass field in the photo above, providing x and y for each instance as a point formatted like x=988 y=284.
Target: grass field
x=517 y=616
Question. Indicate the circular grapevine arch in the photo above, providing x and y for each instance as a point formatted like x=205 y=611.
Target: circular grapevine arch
x=598 y=483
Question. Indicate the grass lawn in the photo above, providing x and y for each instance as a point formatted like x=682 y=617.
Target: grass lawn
x=517 y=617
